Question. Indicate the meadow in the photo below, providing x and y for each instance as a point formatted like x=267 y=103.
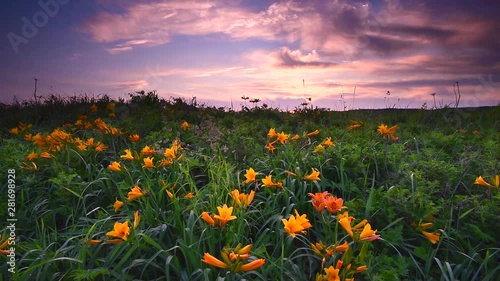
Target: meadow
x=151 y=189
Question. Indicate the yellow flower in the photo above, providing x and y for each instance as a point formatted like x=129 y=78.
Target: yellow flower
x=495 y=181
x=135 y=193
x=115 y=167
x=127 y=155
x=93 y=108
x=225 y=215
x=120 y=230
x=185 y=125
x=250 y=176
x=137 y=219
x=242 y=199
x=296 y=224
x=314 y=176
x=117 y=205
x=148 y=163
x=432 y=237
x=319 y=148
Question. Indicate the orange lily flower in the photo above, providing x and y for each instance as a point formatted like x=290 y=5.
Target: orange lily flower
x=242 y=199
x=137 y=219
x=272 y=133
x=250 y=176
x=432 y=237
x=185 y=125
x=120 y=230
x=148 y=163
x=147 y=151
x=225 y=215
x=368 y=234
x=314 y=133
x=134 y=138
x=115 y=167
x=213 y=261
x=314 y=176
x=127 y=155
x=135 y=193
x=296 y=224
x=117 y=205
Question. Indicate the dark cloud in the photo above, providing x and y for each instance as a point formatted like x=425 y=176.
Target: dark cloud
x=387 y=46
x=422 y=32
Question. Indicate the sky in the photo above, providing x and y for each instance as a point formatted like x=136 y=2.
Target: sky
x=333 y=54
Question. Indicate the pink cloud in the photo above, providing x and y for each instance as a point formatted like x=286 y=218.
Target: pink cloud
x=131 y=85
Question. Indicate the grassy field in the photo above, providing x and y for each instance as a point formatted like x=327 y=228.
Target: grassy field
x=154 y=189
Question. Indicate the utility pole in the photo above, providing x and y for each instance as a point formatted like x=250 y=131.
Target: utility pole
x=34 y=93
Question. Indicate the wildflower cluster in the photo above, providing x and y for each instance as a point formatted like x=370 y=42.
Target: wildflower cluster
x=62 y=139
x=345 y=258
x=147 y=156
x=282 y=138
x=236 y=259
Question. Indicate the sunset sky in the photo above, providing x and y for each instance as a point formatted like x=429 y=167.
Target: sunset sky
x=342 y=54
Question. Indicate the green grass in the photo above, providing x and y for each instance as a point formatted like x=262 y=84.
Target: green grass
x=427 y=175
